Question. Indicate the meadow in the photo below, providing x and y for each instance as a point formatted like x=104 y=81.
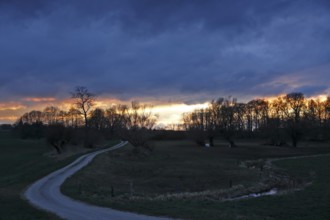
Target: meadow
x=21 y=163
x=125 y=181
x=134 y=183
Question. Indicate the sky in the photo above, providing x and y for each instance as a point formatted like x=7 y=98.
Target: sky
x=165 y=52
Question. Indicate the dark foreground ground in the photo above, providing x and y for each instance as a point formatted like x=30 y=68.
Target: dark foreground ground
x=21 y=163
x=174 y=167
x=124 y=181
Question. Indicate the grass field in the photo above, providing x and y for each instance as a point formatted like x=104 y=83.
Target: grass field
x=177 y=167
x=21 y=163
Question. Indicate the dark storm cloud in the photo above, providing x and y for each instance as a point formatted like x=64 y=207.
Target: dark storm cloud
x=163 y=48
x=312 y=90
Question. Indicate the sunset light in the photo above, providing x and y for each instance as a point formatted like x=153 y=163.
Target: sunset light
x=42 y=99
x=172 y=114
x=167 y=114
x=165 y=109
x=12 y=107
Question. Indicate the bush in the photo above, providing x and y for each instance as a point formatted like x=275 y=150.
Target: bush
x=34 y=130
x=93 y=138
x=169 y=135
x=58 y=136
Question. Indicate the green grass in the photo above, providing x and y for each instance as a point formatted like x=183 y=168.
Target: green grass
x=21 y=163
x=182 y=166
x=171 y=168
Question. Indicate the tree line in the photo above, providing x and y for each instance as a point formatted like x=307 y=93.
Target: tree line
x=83 y=123
x=288 y=117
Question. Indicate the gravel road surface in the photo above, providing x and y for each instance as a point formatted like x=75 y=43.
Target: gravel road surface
x=45 y=194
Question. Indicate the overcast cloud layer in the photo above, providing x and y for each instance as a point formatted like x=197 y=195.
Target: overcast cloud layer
x=187 y=50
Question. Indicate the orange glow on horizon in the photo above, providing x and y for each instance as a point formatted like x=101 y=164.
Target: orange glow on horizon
x=8 y=118
x=272 y=98
x=39 y=99
x=172 y=113
x=11 y=106
x=321 y=98
x=168 y=114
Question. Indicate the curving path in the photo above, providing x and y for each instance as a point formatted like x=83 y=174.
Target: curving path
x=45 y=194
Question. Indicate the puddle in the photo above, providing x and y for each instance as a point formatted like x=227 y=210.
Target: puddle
x=255 y=195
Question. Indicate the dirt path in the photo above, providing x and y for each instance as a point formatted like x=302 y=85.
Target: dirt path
x=45 y=194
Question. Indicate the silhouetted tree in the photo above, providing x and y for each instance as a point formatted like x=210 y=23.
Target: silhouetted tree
x=212 y=122
x=195 y=124
x=31 y=117
x=224 y=116
x=257 y=114
x=57 y=135
x=84 y=101
x=115 y=118
x=97 y=119
x=50 y=115
x=326 y=124
x=276 y=122
x=29 y=130
x=74 y=117
x=227 y=120
x=294 y=106
x=137 y=124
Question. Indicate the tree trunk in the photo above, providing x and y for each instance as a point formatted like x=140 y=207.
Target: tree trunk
x=231 y=142
x=85 y=117
x=211 y=140
x=294 y=140
x=58 y=150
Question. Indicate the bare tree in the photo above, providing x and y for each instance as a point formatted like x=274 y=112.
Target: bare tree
x=294 y=107
x=211 y=125
x=31 y=117
x=258 y=114
x=196 y=125
x=115 y=118
x=137 y=124
x=51 y=114
x=276 y=122
x=326 y=108
x=228 y=121
x=58 y=136
x=84 y=101
x=315 y=119
x=224 y=116
x=74 y=117
x=140 y=116
x=98 y=119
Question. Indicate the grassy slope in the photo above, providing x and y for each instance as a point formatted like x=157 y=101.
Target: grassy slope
x=168 y=169
x=21 y=163
x=311 y=203
x=115 y=170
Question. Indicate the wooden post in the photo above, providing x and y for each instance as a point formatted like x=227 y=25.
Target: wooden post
x=112 y=192
x=131 y=188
